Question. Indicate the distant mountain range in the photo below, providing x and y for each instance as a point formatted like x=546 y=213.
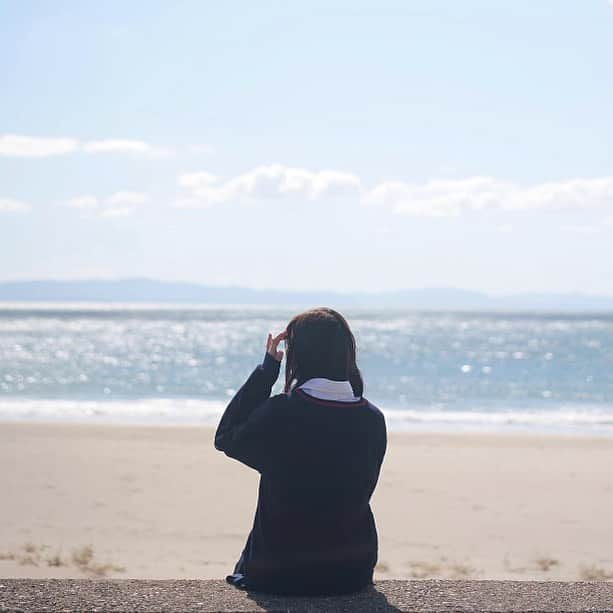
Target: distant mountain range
x=150 y=290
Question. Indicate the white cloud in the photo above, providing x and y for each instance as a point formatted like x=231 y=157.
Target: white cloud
x=452 y=197
x=437 y=198
x=82 y=202
x=127 y=199
x=14 y=145
x=118 y=204
x=8 y=205
x=121 y=204
x=118 y=145
x=265 y=182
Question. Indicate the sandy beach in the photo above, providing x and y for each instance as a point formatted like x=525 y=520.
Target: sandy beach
x=161 y=502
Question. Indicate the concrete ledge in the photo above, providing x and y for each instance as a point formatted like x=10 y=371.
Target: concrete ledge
x=442 y=596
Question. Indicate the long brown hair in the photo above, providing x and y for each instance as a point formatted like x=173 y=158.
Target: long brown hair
x=320 y=344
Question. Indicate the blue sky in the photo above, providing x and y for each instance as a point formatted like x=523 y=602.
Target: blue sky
x=330 y=144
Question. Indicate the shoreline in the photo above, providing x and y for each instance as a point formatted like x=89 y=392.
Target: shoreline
x=590 y=421
x=160 y=502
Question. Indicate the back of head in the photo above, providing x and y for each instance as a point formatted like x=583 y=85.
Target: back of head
x=321 y=344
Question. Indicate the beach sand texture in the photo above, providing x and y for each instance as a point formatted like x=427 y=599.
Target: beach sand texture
x=160 y=502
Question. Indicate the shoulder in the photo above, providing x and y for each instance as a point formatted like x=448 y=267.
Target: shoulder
x=268 y=411
x=275 y=405
x=279 y=400
x=379 y=427
x=376 y=413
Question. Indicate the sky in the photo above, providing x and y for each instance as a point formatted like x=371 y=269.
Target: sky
x=309 y=145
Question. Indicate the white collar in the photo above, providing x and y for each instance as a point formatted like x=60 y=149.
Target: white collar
x=328 y=389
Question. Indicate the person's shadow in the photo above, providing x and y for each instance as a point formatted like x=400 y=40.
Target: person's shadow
x=368 y=599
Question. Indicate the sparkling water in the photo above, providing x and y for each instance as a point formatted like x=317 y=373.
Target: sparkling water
x=428 y=370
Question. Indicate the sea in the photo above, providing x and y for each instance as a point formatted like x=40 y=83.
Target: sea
x=427 y=371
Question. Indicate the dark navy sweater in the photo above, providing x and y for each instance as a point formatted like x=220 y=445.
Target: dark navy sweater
x=319 y=462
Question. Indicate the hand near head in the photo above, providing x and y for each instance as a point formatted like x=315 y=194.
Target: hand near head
x=271 y=345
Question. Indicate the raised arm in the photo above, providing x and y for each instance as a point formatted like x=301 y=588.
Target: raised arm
x=246 y=430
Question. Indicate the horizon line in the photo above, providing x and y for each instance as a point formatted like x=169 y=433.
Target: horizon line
x=341 y=292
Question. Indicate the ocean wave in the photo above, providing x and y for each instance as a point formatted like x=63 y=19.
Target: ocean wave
x=579 y=418
x=143 y=411
x=207 y=412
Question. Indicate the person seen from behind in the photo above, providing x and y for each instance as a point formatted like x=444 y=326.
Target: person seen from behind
x=318 y=446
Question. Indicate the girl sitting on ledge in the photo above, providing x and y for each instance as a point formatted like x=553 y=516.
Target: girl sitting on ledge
x=318 y=447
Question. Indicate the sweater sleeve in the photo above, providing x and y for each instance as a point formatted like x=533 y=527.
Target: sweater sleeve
x=245 y=431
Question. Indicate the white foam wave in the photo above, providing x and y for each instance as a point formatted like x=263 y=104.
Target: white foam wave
x=568 y=419
x=144 y=411
x=208 y=412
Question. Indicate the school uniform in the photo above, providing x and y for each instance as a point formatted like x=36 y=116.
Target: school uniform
x=319 y=451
